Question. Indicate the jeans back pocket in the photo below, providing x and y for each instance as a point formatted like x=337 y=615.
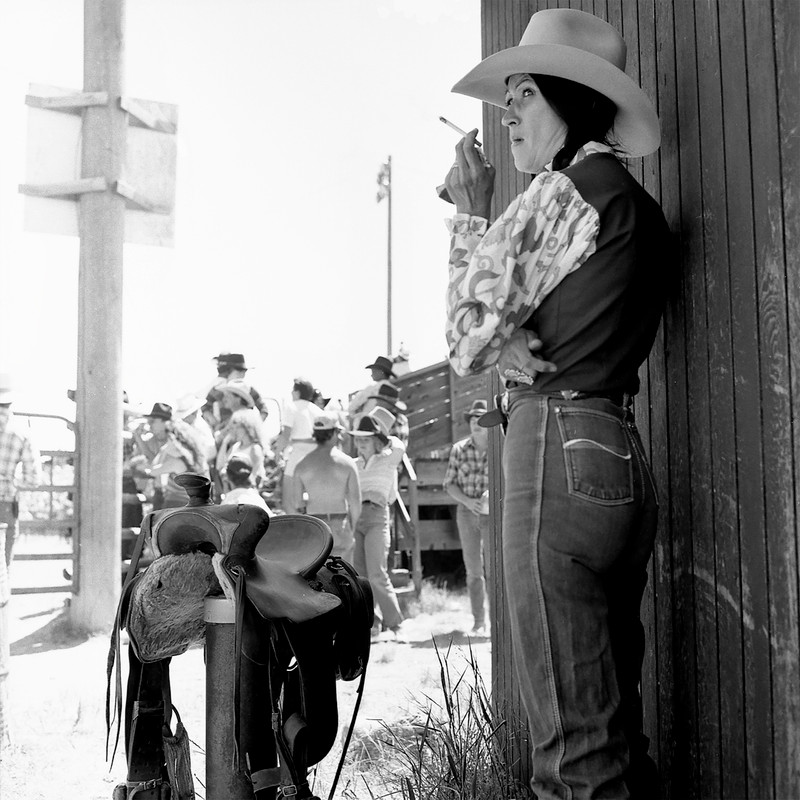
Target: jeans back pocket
x=597 y=456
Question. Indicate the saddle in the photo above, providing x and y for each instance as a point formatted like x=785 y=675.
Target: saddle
x=303 y=620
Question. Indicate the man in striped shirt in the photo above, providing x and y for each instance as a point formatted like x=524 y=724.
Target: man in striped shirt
x=379 y=454
x=16 y=448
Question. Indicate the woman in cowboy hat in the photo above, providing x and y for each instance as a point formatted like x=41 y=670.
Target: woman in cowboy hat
x=574 y=270
x=379 y=453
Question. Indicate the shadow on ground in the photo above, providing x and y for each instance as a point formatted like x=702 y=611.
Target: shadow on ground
x=57 y=634
x=445 y=640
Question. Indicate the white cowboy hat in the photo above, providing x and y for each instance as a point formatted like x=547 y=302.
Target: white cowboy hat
x=378 y=423
x=572 y=44
x=187 y=405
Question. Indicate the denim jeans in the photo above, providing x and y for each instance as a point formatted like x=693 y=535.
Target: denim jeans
x=578 y=529
x=343 y=541
x=473 y=530
x=9 y=513
x=370 y=559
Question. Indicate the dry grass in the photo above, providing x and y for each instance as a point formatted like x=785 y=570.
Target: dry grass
x=451 y=749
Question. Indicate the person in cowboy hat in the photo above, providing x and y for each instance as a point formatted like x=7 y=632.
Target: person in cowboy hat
x=328 y=480
x=388 y=397
x=17 y=449
x=379 y=455
x=187 y=408
x=230 y=367
x=361 y=402
x=467 y=482
x=179 y=450
x=574 y=271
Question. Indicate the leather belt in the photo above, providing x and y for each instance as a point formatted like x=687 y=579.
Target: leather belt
x=497 y=416
x=617 y=398
x=332 y=516
x=373 y=503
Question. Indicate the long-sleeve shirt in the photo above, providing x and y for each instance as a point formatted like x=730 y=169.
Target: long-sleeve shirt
x=363 y=401
x=499 y=276
x=16 y=448
x=468 y=468
x=378 y=474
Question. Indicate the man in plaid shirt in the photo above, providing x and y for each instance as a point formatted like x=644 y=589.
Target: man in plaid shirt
x=467 y=482
x=16 y=449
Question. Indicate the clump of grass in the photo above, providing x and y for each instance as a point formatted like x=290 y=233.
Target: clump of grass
x=454 y=749
x=436 y=597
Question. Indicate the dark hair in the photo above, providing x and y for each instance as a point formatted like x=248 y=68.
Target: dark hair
x=588 y=115
x=238 y=471
x=304 y=388
x=322 y=436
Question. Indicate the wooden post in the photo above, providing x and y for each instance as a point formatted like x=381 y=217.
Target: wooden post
x=5 y=651
x=99 y=389
x=389 y=262
x=222 y=778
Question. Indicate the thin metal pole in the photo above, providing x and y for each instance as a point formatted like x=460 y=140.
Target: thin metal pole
x=389 y=265
x=99 y=390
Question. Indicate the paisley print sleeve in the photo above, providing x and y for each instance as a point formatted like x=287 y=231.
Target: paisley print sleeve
x=498 y=278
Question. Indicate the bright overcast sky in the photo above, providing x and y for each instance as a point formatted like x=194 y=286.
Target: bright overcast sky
x=287 y=108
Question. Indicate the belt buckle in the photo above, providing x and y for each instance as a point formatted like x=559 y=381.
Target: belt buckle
x=571 y=394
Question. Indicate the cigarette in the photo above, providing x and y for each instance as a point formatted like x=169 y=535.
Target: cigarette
x=457 y=129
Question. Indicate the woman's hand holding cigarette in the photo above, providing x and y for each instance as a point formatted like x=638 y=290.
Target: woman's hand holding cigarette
x=470 y=182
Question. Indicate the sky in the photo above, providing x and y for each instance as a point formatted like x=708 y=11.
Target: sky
x=287 y=109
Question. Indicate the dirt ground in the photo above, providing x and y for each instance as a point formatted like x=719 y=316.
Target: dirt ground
x=57 y=683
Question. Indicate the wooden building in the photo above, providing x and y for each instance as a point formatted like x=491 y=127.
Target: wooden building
x=719 y=405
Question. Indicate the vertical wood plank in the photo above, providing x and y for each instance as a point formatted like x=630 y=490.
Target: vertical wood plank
x=722 y=422
x=779 y=479
x=787 y=57
x=695 y=300
x=651 y=419
x=680 y=739
x=746 y=363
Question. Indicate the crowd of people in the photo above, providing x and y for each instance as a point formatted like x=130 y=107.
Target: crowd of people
x=338 y=464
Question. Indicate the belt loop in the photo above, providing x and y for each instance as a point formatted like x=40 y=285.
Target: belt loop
x=627 y=407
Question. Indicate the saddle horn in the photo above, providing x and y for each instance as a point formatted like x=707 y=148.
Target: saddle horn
x=198 y=487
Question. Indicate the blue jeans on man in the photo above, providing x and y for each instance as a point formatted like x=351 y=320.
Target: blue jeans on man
x=9 y=514
x=473 y=531
x=578 y=530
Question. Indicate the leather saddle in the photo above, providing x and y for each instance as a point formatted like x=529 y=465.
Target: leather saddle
x=287 y=617
x=279 y=556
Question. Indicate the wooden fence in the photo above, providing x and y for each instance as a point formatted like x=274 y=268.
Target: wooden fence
x=719 y=402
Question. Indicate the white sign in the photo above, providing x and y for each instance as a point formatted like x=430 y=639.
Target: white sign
x=53 y=172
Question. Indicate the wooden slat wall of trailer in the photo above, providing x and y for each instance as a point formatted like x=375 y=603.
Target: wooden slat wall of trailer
x=719 y=399
x=437 y=398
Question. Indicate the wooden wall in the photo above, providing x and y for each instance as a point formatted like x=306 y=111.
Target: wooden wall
x=437 y=399
x=719 y=402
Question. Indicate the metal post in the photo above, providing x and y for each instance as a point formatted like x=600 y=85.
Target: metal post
x=99 y=390
x=223 y=781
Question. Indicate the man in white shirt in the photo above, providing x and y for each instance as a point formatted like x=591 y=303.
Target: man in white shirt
x=239 y=471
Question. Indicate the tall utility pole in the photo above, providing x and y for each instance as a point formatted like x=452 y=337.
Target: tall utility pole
x=99 y=387
x=385 y=190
